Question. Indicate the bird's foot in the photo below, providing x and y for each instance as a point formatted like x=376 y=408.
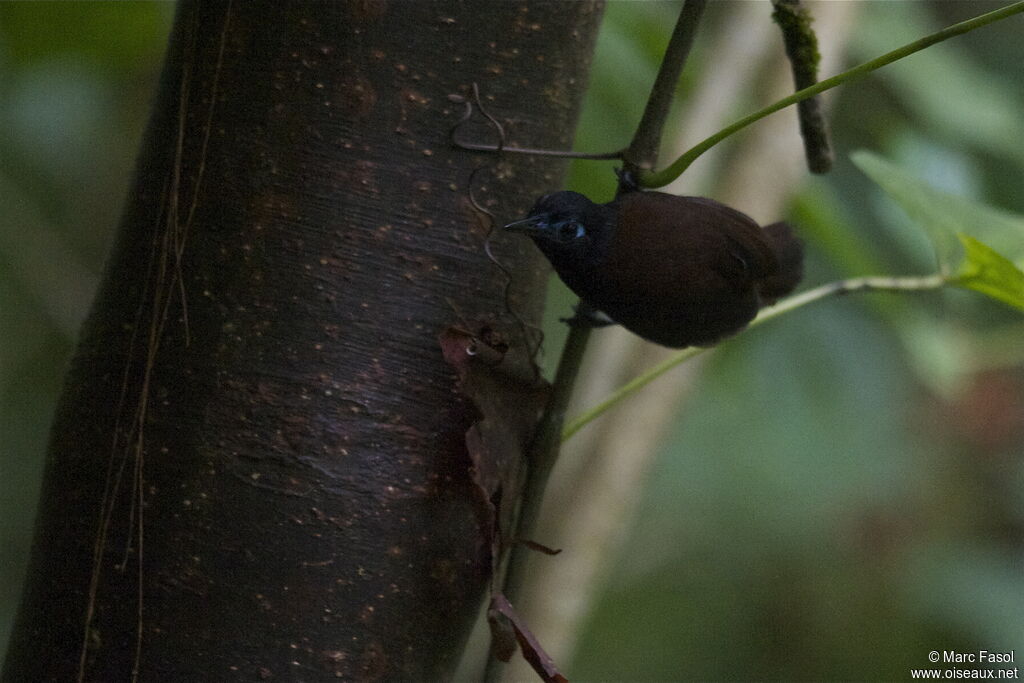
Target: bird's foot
x=627 y=181
x=585 y=316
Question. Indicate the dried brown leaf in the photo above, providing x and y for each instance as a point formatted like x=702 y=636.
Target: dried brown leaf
x=532 y=651
x=502 y=383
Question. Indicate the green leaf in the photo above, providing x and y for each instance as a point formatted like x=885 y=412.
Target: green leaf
x=944 y=216
x=965 y=260
x=920 y=202
x=985 y=270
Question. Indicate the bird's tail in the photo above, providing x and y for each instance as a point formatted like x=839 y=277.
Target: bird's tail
x=789 y=253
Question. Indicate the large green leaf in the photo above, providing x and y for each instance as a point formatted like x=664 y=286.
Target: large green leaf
x=992 y=267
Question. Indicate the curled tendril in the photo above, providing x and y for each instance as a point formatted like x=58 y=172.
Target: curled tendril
x=484 y=216
x=487 y=223
x=475 y=103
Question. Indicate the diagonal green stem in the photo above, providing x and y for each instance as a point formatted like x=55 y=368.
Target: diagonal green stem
x=667 y=175
x=873 y=283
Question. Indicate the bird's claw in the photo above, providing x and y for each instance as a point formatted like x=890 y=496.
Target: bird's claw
x=627 y=181
x=585 y=316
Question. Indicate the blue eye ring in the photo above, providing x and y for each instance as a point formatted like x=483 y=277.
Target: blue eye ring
x=569 y=230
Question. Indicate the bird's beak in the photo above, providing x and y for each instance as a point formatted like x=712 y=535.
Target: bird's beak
x=531 y=225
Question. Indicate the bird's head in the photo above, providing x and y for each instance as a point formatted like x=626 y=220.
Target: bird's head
x=566 y=225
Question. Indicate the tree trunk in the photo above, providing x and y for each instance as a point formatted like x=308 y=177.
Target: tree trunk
x=258 y=469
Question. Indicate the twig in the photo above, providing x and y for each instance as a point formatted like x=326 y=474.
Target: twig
x=643 y=150
x=802 y=49
x=559 y=153
x=453 y=135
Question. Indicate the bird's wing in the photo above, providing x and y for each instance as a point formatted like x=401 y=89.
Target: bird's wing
x=669 y=246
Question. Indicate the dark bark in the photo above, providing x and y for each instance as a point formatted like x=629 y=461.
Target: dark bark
x=258 y=468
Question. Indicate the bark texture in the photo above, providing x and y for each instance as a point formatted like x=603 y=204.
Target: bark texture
x=258 y=468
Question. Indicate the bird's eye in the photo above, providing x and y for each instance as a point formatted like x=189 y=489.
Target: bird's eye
x=571 y=230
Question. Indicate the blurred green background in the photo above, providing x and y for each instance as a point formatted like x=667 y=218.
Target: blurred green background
x=76 y=80
x=843 y=493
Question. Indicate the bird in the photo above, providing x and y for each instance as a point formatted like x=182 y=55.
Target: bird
x=678 y=271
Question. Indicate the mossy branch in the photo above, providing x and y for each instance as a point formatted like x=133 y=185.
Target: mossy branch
x=801 y=43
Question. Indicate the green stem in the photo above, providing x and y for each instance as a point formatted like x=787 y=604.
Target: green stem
x=872 y=283
x=667 y=175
